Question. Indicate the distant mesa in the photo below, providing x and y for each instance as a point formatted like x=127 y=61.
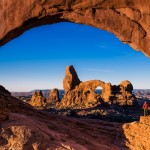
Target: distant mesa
x=79 y=94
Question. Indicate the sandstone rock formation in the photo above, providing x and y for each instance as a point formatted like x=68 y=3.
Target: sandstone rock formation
x=121 y=94
x=137 y=134
x=126 y=86
x=71 y=79
x=53 y=98
x=83 y=94
x=26 y=128
x=38 y=100
x=128 y=19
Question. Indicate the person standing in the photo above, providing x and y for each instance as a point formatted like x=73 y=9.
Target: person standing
x=145 y=107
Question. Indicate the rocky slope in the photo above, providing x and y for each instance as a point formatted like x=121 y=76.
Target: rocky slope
x=128 y=19
x=22 y=127
x=26 y=128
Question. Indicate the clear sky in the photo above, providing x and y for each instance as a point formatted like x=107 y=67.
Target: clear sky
x=38 y=58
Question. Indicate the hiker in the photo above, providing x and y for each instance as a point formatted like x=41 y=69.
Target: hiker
x=145 y=107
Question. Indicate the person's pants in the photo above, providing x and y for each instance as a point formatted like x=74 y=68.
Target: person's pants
x=145 y=112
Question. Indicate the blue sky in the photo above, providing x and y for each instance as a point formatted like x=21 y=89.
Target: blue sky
x=38 y=58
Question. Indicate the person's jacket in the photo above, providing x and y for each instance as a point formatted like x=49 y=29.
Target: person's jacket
x=145 y=105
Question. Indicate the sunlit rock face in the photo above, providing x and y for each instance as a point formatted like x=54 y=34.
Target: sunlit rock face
x=83 y=94
x=137 y=134
x=38 y=100
x=71 y=79
x=128 y=20
x=53 y=98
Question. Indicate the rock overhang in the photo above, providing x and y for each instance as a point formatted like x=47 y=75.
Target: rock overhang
x=128 y=20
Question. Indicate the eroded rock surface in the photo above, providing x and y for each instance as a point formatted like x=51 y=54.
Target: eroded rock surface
x=71 y=79
x=53 y=98
x=128 y=20
x=83 y=94
x=137 y=134
x=38 y=100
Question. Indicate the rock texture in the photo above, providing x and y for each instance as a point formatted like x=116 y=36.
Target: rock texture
x=126 y=86
x=128 y=20
x=71 y=79
x=38 y=100
x=26 y=128
x=137 y=134
x=10 y=104
x=83 y=95
x=53 y=98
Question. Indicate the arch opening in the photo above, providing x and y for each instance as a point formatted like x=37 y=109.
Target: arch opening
x=99 y=90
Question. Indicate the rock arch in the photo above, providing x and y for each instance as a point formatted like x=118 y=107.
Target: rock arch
x=128 y=19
